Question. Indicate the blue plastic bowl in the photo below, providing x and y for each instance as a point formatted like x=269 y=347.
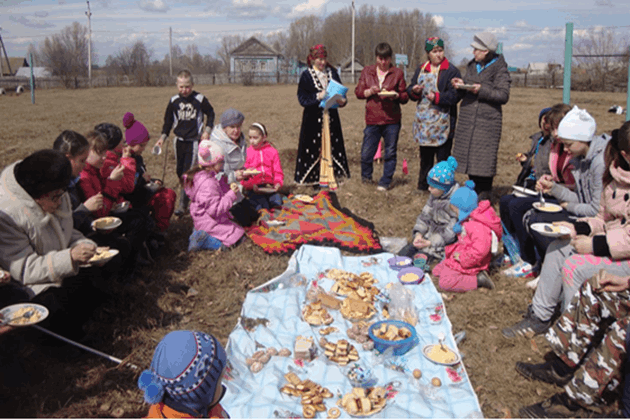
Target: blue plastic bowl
x=401 y=346
x=398 y=263
x=411 y=270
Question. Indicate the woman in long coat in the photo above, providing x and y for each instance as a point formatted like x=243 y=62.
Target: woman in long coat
x=311 y=90
x=478 y=132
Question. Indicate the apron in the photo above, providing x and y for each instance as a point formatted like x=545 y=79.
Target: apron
x=431 y=125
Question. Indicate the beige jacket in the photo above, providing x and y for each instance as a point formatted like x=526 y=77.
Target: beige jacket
x=34 y=245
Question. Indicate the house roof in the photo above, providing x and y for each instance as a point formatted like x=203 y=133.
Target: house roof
x=15 y=63
x=37 y=72
x=254 y=48
x=345 y=64
x=538 y=66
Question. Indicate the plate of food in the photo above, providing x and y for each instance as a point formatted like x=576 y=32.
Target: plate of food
x=547 y=207
x=465 y=86
x=106 y=224
x=266 y=190
x=387 y=94
x=251 y=172
x=400 y=262
x=441 y=354
x=551 y=230
x=275 y=223
x=523 y=191
x=121 y=207
x=304 y=198
x=23 y=314
x=101 y=257
x=154 y=186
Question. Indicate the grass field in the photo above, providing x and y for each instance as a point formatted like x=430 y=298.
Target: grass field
x=146 y=310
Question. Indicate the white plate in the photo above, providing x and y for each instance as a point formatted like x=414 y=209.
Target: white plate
x=266 y=190
x=9 y=311
x=250 y=172
x=548 y=208
x=304 y=198
x=556 y=231
x=120 y=207
x=387 y=94
x=426 y=349
x=101 y=262
x=523 y=190
x=465 y=87
x=99 y=224
x=273 y=223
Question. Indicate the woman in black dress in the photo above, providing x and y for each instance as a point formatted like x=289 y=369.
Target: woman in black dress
x=311 y=90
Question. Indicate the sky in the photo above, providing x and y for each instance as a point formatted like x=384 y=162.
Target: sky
x=530 y=30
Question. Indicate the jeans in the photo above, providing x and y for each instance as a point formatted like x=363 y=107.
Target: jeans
x=371 y=137
x=264 y=201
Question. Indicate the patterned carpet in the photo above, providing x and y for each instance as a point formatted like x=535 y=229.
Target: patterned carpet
x=321 y=222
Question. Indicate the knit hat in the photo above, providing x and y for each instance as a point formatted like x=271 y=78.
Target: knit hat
x=316 y=51
x=577 y=125
x=485 y=41
x=433 y=42
x=465 y=199
x=209 y=153
x=135 y=131
x=543 y=112
x=442 y=175
x=185 y=371
x=232 y=117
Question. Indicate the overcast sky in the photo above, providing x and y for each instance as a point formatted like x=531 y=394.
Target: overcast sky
x=530 y=30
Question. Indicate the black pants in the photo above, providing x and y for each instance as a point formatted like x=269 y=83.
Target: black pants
x=482 y=183
x=244 y=213
x=427 y=156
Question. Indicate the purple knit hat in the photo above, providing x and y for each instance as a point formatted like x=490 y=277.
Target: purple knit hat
x=135 y=131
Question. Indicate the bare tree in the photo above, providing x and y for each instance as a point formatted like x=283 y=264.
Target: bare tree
x=134 y=62
x=228 y=43
x=66 y=54
x=603 y=71
x=303 y=34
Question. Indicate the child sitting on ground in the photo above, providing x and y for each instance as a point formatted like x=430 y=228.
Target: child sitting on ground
x=262 y=189
x=185 y=378
x=469 y=257
x=434 y=226
x=159 y=204
x=211 y=200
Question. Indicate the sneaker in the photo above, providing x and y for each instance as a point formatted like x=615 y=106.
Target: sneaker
x=533 y=284
x=557 y=407
x=381 y=188
x=484 y=280
x=522 y=269
x=528 y=327
x=543 y=372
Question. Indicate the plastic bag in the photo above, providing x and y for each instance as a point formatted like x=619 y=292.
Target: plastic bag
x=401 y=305
x=393 y=244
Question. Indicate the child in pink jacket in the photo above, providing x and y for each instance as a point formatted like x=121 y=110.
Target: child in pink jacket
x=210 y=201
x=262 y=189
x=467 y=259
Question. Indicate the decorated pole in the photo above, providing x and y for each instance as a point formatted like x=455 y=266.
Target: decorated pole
x=568 y=54
x=628 y=90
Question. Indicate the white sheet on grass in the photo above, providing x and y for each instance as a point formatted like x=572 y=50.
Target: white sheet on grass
x=257 y=395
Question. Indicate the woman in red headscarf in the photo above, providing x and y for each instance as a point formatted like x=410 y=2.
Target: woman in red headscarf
x=311 y=90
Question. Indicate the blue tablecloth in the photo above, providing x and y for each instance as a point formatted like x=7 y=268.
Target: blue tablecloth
x=257 y=395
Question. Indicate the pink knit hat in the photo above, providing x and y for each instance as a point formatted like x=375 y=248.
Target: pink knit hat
x=209 y=153
x=135 y=131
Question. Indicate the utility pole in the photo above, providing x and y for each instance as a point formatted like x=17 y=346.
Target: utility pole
x=89 y=16
x=352 y=41
x=170 y=51
x=5 y=56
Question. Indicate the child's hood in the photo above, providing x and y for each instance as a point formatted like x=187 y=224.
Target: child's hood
x=199 y=179
x=485 y=214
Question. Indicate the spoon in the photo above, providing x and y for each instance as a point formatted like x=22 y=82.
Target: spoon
x=542 y=199
x=26 y=314
x=441 y=338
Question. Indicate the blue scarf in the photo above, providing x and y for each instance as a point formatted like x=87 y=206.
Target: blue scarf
x=481 y=68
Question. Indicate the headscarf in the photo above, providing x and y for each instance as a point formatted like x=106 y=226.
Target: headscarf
x=433 y=42
x=317 y=51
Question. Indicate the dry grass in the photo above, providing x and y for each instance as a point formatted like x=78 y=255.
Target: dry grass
x=145 y=311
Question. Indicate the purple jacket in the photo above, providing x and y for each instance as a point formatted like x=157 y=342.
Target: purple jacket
x=210 y=203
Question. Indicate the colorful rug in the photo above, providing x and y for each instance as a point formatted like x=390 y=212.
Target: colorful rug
x=320 y=222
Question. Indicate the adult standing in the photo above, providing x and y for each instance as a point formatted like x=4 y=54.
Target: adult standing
x=311 y=90
x=487 y=87
x=436 y=112
x=383 y=86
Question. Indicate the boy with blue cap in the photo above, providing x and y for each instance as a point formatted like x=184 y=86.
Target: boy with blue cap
x=185 y=377
x=434 y=226
x=467 y=259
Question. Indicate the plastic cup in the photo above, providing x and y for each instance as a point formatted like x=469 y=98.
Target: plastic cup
x=157 y=150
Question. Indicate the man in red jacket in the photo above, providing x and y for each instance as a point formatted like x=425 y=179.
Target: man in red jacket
x=384 y=88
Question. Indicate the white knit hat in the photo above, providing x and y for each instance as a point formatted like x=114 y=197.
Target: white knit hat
x=209 y=153
x=577 y=125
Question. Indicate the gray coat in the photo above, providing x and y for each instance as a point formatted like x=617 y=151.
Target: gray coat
x=478 y=132
x=34 y=245
x=588 y=174
x=436 y=221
